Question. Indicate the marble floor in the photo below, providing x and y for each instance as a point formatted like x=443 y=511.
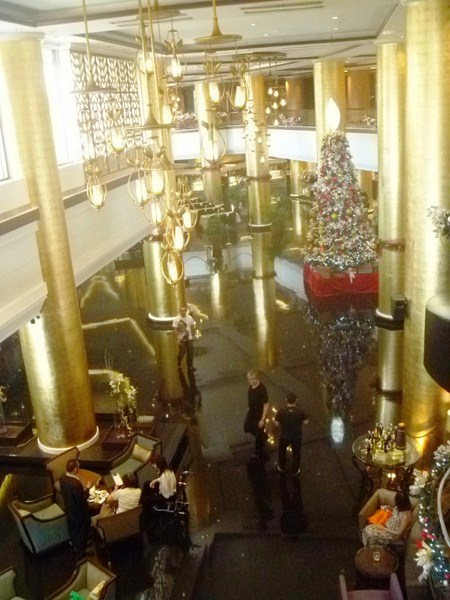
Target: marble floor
x=326 y=355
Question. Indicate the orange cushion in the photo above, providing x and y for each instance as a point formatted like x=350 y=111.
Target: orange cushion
x=380 y=516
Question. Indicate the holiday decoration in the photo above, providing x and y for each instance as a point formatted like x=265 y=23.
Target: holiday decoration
x=340 y=235
x=436 y=558
x=344 y=343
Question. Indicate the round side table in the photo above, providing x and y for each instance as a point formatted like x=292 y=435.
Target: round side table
x=376 y=569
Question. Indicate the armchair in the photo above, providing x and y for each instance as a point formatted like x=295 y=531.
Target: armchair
x=137 y=458
x=394 y=592
x=112 y=528
x=56 y=467
x=7 y=585
x=380 y=498
x=42 y=524
x=87 y=576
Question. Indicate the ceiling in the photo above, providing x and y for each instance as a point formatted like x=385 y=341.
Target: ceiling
x=304 y=31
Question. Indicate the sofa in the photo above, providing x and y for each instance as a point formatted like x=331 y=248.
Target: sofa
x=407 y=547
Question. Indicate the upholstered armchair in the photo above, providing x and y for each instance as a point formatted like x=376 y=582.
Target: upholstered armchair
x=56 y=467
x=382 y=497
x=120 y=526
x=7 y=585
x=88 y=576
x=42 y=524
x=137 y=458
x=394 y=592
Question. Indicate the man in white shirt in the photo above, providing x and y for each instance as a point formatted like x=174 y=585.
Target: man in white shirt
x=183 y=326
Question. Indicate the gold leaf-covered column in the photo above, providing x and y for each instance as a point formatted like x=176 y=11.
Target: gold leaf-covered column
x=391 y=71
x=163 y=299
x=427 y=183
x=329 y=83
x=258 y=177
x=212 y=182
x=52 y=344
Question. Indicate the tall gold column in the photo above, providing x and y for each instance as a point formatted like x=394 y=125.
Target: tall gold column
x=359 y=90
x=52 y=344
x=391 y=221
x=329 y=82
x=299 y=94
x=212 y=182
x=300 y=203
x=219 y=295
x=258 y=177
x=364 y=178
x=427 y=183
x=163 y=299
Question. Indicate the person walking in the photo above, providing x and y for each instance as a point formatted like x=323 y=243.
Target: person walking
x=290 y=419
x=258 y=410
x=184 y=325
x=76 y=507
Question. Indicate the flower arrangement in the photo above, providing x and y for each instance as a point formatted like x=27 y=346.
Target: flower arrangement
x=440 y=217
x=432 y=554
x=125 y=395
x=294 y=121
x=369 y=121
x=423 y=559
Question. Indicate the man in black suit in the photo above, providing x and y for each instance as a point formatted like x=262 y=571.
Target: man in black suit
x=76 y=507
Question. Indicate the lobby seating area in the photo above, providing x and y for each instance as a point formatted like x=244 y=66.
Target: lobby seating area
x=405 y=548
x=236 y=505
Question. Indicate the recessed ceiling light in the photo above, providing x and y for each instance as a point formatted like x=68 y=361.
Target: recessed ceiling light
x=334 y=18
x=252 y=24
x=373 y=68
x=266 y=35
x=387 y=32
x=335 y=28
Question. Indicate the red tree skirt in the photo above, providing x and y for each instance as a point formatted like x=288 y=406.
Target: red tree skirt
x=337 y=284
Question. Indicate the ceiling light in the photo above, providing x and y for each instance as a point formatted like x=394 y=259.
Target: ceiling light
x=217 y=37
x=334 y=18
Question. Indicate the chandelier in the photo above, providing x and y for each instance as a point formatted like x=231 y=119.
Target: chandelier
x=95 y=189
x=276 y=100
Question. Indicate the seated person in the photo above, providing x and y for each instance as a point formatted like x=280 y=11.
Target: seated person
x=124 y=497
x=162 y=488
x=395 y=526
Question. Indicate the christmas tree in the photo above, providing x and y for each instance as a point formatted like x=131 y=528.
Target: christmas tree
x=340 y=235
x=344 y=342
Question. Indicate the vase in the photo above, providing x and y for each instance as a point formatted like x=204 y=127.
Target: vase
x=400 y=438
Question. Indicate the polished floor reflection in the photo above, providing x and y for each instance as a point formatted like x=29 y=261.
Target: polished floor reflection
x=258 y=532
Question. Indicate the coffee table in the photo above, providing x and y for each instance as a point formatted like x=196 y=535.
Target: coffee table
x=381 y=569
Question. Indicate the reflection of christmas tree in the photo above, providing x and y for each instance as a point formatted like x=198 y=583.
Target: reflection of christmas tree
x=345 y=341
x=339 y=234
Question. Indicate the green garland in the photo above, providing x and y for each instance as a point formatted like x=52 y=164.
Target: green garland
x=432 y=536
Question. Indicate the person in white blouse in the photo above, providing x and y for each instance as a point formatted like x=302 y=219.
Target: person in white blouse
x=166 y=484
x=184 y=325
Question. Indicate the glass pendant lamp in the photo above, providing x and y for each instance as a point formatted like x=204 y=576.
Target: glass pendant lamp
x=172 y=267
x=95 y=189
